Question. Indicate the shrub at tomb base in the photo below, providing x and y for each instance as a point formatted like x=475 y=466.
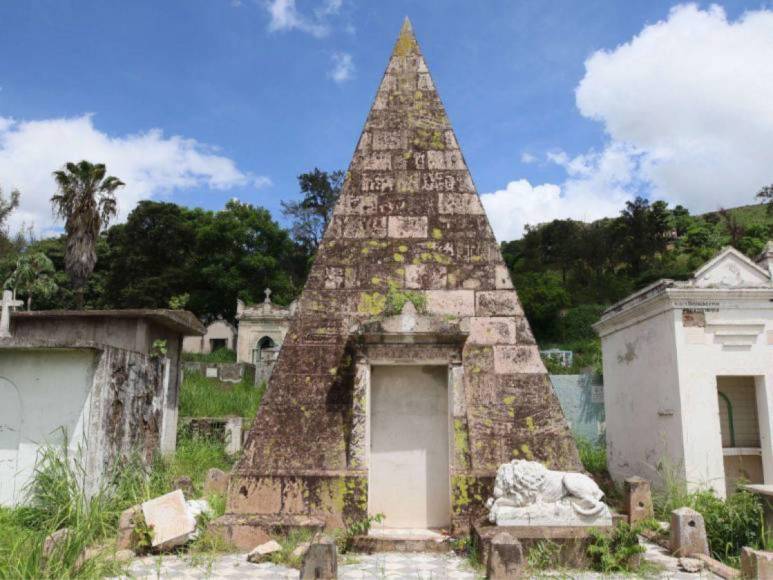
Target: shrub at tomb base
x=616 y=551
x=731 y=523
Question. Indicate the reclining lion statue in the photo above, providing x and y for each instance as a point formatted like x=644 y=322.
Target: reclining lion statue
x=526 y=492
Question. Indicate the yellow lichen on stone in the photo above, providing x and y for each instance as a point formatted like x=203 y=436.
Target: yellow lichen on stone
x=437 y=233
x=402 y=248
x=527 y=452
x=398 y=257
x=375 y=280
x=406 y=44
x=530 y=423
x=372 y=304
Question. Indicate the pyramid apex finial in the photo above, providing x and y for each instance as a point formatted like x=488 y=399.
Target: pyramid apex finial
x=406 y=43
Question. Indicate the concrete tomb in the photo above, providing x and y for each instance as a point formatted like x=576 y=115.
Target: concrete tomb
x=107 y=382
x=409 y=372
x=219 y=334
x=688 y=377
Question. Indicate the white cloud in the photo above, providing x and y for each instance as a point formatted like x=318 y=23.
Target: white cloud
x=285 y=16
x=580 y=197
x=528 y=158
x=693 y=96
x=343 y=67
x=149 y=163
x=687 y=106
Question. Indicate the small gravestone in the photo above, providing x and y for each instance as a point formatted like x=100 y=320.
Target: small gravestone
x=688 y=533
x=320 y=562
x=638 y=499
x=505 y=558
x=211 y=372
x=216 y=481
x=756 y=563
x=184 y=484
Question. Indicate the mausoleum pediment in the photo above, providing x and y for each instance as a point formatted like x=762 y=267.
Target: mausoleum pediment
x=731 y=269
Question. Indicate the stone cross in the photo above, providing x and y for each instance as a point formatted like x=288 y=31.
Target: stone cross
x=5 y=316
x=267 y=292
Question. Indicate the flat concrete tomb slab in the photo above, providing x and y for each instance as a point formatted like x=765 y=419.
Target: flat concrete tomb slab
x=409 y=451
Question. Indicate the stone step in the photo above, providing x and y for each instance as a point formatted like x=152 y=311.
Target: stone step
x=403 y=540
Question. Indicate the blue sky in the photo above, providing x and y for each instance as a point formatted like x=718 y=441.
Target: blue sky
x=563 y=109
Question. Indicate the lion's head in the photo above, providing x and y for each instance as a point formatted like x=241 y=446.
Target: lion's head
x=520 y=481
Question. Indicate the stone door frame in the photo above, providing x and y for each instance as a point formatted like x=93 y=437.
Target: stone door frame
x=404 y=354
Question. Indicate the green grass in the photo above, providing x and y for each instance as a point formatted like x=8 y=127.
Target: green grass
x=203 y=397
x=55 y=501
x=221 y=355
x=592 y=455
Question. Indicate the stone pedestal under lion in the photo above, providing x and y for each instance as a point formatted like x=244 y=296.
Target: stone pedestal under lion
x=526 y=493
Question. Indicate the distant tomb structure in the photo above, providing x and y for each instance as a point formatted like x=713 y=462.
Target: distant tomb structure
x=688 y=376
x=262 y=330
x=105 y=381
x=220 y=334
x=409 y=372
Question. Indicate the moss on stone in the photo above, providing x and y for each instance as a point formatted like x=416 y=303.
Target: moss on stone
x=397 y=298
x=398 y=257
x=437 y=233
x=372 y=303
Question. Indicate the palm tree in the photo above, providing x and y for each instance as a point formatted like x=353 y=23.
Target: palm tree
x=34 y=275
x=86 y=202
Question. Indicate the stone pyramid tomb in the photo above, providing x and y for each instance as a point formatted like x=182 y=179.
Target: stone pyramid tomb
x=409 y=372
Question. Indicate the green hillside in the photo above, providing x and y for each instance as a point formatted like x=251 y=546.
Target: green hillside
x=567 y=272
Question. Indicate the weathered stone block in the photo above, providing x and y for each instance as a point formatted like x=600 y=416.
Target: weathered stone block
x=377 y=183
x=170 y=519
x=320 y=560
x=459 y=203
x=377 y=160
x=445 y=160
x=517 y=359
x=425 y=276
x=259 y=553
x=638 y=499
x=364 y=203
x=361 y=227
x=407 y=227
x=388 y=140
x=756 y=564
x=489 y=330
x=497 y=303
x=125 y=539
x=505 y=558
x=688 y=533
x=451 y=302
x=502 y=278
x=216 y=481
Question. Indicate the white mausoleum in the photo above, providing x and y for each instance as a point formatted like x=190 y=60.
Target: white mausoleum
x=688 y=376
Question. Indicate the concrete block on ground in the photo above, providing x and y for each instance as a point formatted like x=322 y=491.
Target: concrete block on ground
x=320 y=560
x=688 y=533
x=756 y=563
x=638 y=499
x=216 y=481
x=506 y=559
x=170 y=518
x=259 y=553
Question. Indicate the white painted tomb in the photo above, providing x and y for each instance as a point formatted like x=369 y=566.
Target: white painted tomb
x=688 y=377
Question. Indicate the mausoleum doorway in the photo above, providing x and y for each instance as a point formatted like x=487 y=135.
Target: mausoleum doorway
x=409 y=446
x=740 y=429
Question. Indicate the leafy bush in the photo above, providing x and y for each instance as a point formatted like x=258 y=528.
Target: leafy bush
x=615 y=551
x=576 y=322
x=203 y=397
x=543 y=555
x=730 y=523
x=345 y=537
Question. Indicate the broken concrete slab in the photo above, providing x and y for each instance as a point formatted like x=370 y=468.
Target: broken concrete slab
x=321 y=560
x=691 y=565
x=260 y=552
x=171 y=520
x=688 y=533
